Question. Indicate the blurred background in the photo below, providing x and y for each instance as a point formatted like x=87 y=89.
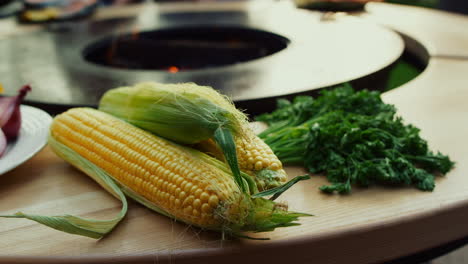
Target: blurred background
x=77 y=8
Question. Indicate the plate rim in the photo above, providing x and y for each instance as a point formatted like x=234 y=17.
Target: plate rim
x=46 y=119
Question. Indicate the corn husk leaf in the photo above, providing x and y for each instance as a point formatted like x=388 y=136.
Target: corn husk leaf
x=73 y=224
x=226 y=141
x=277 y=191
x=185 y=113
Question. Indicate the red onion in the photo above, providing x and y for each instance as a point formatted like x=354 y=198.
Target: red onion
x=10 y=117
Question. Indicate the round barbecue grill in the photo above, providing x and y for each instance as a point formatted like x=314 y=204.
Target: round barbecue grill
x=252 y=54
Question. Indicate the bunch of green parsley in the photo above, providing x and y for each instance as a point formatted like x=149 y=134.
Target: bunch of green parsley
x=354 y=138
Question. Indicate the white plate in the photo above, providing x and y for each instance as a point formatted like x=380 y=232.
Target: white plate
x=32 y=138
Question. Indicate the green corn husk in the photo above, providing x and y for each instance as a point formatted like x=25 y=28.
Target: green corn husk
x=76 y=225
x=185 y=113
x=253 y=214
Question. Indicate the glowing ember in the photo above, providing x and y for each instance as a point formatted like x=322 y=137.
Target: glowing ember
x=135 y=33
x=173 y=69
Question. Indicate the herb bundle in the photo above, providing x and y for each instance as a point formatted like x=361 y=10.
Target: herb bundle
x=354 y=138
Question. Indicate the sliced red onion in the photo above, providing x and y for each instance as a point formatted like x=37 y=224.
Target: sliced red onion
x=10 y=116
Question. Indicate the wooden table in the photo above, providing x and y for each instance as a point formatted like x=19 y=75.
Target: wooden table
x=371 y=225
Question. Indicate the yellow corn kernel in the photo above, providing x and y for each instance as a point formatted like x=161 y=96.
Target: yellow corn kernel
x=158 y=170
x=255 y=157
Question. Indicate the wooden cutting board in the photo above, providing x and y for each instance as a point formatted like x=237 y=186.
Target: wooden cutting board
x=370 y=225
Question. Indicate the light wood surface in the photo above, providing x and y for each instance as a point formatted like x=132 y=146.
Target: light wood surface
x=443 y=33
x=368 y=226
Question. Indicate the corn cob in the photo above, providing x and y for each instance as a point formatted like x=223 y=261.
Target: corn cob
x=185 y=113
x=180 y=182
x=188 y=114
x=255 y=158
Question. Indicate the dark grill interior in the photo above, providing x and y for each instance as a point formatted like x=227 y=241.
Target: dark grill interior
x=187 y=48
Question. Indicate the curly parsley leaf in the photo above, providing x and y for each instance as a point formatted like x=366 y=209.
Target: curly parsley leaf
x=354 y=138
